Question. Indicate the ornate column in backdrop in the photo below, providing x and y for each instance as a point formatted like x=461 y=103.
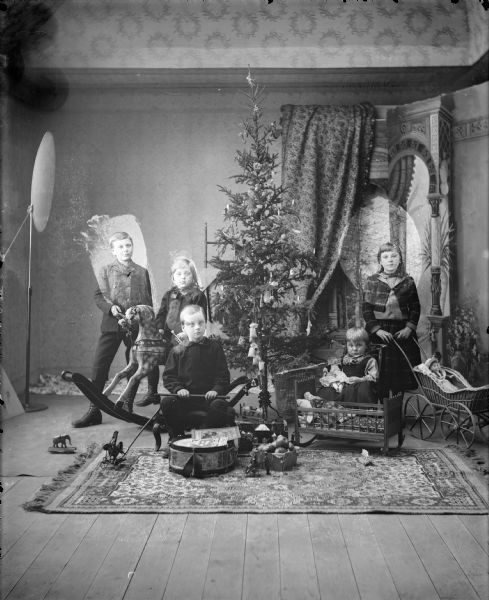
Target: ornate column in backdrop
x=423 y=130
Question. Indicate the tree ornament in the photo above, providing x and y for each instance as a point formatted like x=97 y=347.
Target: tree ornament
x=253 y=332
x=252 y=351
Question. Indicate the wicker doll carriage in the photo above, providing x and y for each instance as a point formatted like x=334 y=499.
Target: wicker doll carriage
x=375 y=423
x=461 y=411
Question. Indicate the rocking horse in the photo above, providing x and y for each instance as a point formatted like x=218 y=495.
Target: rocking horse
x=148 y=351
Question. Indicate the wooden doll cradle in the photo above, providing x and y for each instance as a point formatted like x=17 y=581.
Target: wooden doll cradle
x=369 y=422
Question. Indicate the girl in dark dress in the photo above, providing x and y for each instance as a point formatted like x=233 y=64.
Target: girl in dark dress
x=185 y=291
x=391 y=311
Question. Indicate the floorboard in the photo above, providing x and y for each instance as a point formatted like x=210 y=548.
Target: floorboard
x=297 y=569
x=8 y=483
x=446 y=574
x=19 y=520
x=27 y=548
x=465 y=549
x=224 y=578
x=56 y=554
x=120 y=562
x=406 y=569
x=332 y=562
x=262 y=567
x=478 y=525
x=76 y=578
x=189 y=570
x=372 y=575
x=156 y=561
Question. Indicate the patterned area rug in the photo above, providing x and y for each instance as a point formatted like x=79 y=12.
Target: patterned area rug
x=323 y=481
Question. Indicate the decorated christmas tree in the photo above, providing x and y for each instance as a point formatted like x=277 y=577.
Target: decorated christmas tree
x=263 y=277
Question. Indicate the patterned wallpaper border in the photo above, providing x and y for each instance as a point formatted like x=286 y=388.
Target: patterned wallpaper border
x=471 y=128
x=283 y=34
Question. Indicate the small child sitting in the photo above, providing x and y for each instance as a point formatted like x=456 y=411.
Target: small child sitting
x=355 y=376
x=352 y=379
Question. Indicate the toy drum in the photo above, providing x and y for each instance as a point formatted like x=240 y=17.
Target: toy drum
x=199 y=458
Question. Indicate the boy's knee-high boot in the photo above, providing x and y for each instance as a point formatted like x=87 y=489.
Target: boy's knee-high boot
x=152 y=396
x=92 y=417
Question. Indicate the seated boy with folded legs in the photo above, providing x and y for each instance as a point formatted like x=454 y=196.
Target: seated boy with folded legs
x=197 y=367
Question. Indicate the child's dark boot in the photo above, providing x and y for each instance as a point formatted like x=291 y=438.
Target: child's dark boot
x=92 y=417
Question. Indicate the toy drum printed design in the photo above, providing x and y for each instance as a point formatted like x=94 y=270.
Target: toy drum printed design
x=199 y=458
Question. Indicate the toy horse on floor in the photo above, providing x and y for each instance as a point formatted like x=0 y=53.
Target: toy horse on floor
x=148 y=351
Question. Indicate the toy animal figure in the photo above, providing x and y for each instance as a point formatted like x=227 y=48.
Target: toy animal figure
x=148 y=351
x=60 y=441
x=113 y=449
x=258 y=458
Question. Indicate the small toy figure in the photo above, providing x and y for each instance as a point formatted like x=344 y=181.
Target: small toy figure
x=61 y=440
x=334 y=377
x=59 y=445
x=258 y=458
x=113 y=449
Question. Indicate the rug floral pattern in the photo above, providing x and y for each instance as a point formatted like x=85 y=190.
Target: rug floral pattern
x=324 y=481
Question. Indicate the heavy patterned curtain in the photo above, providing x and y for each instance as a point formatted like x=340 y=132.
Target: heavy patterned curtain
x=326 y=153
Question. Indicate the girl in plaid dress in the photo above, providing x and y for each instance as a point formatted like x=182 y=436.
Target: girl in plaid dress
x=391 y=311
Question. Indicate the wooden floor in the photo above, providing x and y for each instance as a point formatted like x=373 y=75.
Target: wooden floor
x=221 y=556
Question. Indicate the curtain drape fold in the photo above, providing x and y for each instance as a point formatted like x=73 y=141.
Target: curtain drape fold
x=326 y=152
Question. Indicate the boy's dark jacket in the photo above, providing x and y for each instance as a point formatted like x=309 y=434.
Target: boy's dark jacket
x=123 y=286
x=197 y=367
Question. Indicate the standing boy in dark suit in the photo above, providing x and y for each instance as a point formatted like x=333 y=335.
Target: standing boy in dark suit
x=121 y=284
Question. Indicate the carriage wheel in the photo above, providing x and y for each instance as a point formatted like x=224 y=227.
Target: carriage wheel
x=419 y=416
x=483 y=422
x=457 y=422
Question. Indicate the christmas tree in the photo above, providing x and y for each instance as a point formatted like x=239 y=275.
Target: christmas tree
x=263 y=273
